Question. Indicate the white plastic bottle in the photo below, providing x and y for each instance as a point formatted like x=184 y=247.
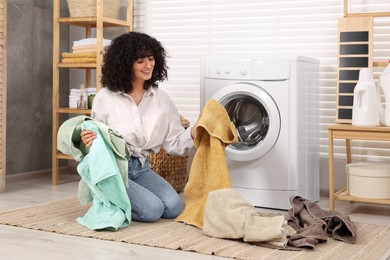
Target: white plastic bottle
x=365 y=110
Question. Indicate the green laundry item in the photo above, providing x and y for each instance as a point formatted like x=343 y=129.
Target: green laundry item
x=103 y=168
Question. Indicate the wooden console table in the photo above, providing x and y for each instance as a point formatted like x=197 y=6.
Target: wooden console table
x=350 y=132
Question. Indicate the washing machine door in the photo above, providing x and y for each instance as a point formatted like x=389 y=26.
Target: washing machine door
x=256 y=117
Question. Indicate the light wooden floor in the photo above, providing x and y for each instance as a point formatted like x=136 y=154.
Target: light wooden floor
x=19 y=243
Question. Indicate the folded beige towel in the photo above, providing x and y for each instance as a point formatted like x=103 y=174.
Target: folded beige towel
x=228 y=215
x=209 y=170
x=89 y=50
x=78 y=60
x=78 y=55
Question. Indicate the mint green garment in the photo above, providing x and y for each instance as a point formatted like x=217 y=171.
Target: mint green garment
x=69 y=142
x=100 y=172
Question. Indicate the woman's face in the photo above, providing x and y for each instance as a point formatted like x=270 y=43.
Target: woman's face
x=143 y=68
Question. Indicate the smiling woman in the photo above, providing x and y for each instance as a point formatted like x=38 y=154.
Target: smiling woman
x=145 y=116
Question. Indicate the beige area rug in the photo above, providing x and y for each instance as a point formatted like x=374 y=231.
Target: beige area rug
x=59 y=217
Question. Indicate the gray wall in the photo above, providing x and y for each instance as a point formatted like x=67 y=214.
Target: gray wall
x=29 y=83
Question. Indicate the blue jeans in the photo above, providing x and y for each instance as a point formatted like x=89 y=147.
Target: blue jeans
x=151 y=196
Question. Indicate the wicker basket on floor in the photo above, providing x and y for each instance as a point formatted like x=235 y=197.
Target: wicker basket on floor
x=173 y=168
x=87 y=8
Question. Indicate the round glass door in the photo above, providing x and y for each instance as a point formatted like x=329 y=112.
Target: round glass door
x=256 y=117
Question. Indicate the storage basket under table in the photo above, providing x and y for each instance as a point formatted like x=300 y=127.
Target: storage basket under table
x=369 y=180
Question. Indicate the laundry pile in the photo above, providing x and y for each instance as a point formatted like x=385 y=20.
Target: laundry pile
x=228 y=215
x=213 y=206
x=75 y=95
x=83 y=51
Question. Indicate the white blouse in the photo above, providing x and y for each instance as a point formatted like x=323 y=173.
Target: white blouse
x=155 y=122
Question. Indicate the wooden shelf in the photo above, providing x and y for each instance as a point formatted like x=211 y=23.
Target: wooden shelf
x=350 y=132
x=77 y=65
x=91 y=22
x=380 y=64
x=343 y=195
x=98 y=23
x=64 y=156
x=67 y=110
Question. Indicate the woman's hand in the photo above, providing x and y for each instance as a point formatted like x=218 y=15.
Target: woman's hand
x=87 y=137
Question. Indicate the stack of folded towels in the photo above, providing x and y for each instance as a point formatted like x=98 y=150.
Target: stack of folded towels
x=75 y=94
x=83 y=51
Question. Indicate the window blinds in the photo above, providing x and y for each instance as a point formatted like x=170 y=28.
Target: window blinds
x=190 y=29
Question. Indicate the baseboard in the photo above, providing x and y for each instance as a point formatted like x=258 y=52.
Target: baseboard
x=38 y=174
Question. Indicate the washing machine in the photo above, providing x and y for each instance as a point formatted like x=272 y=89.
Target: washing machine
x=273 y=102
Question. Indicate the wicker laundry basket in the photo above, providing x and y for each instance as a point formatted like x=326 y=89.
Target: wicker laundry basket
x=86 y=8
x=173 y=168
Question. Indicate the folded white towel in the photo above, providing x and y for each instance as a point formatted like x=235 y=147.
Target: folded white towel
x=86 y=90
x=85 y=41
x=75 y=93
x=75 y=98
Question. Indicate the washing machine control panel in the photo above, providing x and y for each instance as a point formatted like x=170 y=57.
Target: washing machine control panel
x=237 y=69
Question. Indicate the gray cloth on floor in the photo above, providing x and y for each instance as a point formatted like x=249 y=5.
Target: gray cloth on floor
x=314 y=225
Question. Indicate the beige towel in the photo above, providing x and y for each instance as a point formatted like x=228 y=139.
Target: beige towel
x=228 y=215
x=209 y=170
x=78 y=55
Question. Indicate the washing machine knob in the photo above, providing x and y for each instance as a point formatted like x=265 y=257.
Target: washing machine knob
x=227 y=71
x=218 y=71
x=243 y=72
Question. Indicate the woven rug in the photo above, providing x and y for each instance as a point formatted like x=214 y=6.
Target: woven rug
x=59 y=217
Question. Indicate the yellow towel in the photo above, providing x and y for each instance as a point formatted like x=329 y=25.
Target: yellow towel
x=78 y=60
x=78 y=55
x=90 y=50
x=209 y=170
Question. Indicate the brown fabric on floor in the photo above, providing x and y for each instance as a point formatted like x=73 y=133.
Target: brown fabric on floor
x=314 y=225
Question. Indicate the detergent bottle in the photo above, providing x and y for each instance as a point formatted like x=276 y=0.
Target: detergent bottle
x=365 y=111
x=384 y=84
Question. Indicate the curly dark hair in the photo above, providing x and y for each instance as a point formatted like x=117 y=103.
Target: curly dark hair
x=123 y=52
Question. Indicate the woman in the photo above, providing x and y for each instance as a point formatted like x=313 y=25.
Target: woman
x=145 y=116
